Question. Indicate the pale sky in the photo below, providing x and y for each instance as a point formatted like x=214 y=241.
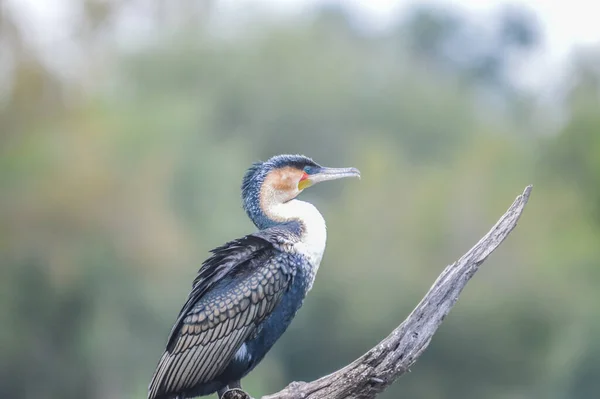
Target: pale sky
x=565 y=24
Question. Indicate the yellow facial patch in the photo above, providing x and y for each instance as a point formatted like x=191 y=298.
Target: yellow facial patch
x=304 y=184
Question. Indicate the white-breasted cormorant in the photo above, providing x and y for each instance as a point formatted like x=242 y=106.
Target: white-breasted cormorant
x=249 y=290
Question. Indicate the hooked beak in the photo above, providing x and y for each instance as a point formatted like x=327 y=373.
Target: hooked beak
x=326 y=174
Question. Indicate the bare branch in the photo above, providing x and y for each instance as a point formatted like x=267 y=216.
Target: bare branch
x=382 y=365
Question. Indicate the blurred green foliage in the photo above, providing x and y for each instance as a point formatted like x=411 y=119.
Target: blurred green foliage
x=115 y=184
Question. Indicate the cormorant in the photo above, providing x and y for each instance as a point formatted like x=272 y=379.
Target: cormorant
x=248 y=291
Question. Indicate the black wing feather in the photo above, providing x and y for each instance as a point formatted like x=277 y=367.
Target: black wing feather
x=236 y=288
x=224 y=260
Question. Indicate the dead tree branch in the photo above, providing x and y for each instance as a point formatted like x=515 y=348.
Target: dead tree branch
x=377 y=369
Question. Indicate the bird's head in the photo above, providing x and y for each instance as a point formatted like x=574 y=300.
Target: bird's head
x=281 y=179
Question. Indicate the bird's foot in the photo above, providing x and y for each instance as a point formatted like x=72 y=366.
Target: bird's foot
x=235 y=393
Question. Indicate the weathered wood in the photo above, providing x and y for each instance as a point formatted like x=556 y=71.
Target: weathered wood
x=377 y=369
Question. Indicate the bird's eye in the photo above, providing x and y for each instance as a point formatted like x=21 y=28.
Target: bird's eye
x=307 y=169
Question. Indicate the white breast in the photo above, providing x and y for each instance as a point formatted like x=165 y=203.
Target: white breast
x=313 y=240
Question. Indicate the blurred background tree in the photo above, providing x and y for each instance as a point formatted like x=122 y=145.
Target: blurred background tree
x=121 y=156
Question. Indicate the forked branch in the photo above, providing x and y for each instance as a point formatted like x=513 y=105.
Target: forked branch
x=377 y=369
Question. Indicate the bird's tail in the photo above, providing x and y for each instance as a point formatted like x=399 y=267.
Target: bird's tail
x=154 y=389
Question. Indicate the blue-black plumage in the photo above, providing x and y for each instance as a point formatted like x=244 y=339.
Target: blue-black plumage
x=247 y=293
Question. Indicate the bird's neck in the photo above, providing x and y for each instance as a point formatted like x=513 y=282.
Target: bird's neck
x=313 y=233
